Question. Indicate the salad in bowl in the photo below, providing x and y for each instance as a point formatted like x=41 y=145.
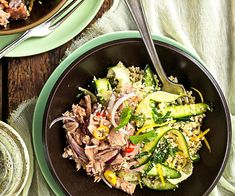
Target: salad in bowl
x=126 y=131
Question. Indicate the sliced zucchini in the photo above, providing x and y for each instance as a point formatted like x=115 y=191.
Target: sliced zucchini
x=185 y=110
x=167 y=172
x=104 y=90
x=145 y=107
x=148 y=79
x=188 y=170
x=121 y=73
x=149 y=147
x=156 y=184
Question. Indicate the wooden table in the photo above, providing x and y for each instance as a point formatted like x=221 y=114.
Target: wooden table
x=23 y=78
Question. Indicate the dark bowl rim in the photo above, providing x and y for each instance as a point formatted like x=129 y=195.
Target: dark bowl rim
x=36 y=23
x=186 y=53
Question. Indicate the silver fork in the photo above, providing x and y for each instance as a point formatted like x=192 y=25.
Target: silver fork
x=43 y=29
x=138 y=14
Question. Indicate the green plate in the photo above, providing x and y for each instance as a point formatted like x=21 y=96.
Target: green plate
x=69 y=29
x=44 y=95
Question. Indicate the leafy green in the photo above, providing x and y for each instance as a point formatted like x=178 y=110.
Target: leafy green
x=139 y=120
x=162 y=152
x=135 y=139
x=158 y=117
x=124 y=117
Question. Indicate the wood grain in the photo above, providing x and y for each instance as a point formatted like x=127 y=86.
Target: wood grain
x=0 y=90
x=27 y=75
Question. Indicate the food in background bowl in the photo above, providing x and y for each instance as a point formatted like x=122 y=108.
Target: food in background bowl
x=14 y=10
x=21 y=15
x=126 y=131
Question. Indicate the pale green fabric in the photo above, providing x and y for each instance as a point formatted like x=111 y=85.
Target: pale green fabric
x=206 y=27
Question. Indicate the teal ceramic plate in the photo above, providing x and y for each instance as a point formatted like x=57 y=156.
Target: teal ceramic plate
x=69 y=29
x=44 y=95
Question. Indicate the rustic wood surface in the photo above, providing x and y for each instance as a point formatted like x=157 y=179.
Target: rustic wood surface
x=1 y=90
x=23 y=78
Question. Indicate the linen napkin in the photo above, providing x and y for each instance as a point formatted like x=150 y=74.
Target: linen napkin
x=206 y=27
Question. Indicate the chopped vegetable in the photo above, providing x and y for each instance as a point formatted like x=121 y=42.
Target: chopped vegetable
x=121 y=73
x=207 y=144
x=101 y=132
x=135 y=139
x=203 y=133
x=148 y=79
x=160 y=173
x=62 y=118
x=129 y=149
x=124 y=117
x=153 y=126
x=117 y=105
x=159 y=118
x=199 y=93
x=180 y=111
x=104 y=90
x=166 y=171
x=111 y=177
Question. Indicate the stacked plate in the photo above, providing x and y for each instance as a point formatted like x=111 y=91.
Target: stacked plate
x=14 y=161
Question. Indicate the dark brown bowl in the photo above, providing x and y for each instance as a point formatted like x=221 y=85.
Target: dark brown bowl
x=42 y=10
x=131 y=51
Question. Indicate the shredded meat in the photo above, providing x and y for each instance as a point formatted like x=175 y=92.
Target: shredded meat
x=90 y=153
x=79 y=113
x=77 y=149
x=118 y=160
x=107 y=155
x=88 y=105
x=70 y=126
x=125 y=186
x=116 y=138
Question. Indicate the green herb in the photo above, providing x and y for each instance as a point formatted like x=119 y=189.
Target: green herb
x=161 y=154
x=173 y=150
x=158 y=117
x=139 y=120
x=124 y=117
x=135 y=139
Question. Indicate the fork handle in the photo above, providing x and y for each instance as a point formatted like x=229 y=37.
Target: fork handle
x=137 y=11
x=12 y=45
